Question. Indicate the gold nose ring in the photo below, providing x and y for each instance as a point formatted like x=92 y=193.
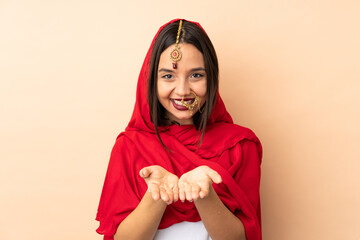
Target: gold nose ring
x=192 y=105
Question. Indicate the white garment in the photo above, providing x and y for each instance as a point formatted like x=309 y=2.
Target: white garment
x=183 y=231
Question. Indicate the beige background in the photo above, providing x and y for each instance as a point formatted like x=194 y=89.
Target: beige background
x=290 y=71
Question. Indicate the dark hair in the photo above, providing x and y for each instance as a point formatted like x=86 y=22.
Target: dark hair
x=192 y=34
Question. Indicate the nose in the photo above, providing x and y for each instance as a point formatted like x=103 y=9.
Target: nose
x=182 y=88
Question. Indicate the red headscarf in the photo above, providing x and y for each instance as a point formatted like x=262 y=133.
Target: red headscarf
x=231 y=150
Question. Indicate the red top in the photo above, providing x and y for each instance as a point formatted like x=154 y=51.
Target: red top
x=231 y=150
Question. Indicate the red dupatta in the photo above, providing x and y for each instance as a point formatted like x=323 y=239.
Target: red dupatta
x=231 y=150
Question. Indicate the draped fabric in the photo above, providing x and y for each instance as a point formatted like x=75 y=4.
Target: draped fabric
x=231 y=150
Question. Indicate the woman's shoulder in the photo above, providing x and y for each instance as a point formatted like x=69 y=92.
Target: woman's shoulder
x=232 y=131
x=131 y=139
x=220 y=137
x=123 y=141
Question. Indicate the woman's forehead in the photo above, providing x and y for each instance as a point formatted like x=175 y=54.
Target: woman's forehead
x=191 y=58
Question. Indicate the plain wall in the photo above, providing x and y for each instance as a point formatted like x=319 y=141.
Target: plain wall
x=290 y=71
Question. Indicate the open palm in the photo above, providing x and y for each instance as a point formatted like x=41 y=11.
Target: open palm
x=161 y=183
x=196 y=183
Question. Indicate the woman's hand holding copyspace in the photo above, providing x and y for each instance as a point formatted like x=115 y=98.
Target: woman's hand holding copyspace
x=196 y=183
x=161 y=183
x=191 y=186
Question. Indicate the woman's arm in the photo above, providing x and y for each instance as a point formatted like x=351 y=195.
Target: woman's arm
x=143 y=221
x=218 y=220
x=220 y=223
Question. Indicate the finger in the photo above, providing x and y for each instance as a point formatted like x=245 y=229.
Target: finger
x=182 y=195
x=155 y=191
x=176 y=193
x=214 y=176
x=145 y=172
x=164 y=195
x=195 y=191
x=170 y=195
x=188 y=192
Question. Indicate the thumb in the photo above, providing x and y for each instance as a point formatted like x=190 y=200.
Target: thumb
x=145 y=172
x=214 y=176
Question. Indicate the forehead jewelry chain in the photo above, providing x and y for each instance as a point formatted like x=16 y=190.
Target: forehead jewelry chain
x=175 y=54
x=192 y=105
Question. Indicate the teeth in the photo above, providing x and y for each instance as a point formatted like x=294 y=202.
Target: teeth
x=179 y=102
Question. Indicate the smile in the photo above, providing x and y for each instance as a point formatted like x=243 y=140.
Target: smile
x=178 y=102
x=179 y=106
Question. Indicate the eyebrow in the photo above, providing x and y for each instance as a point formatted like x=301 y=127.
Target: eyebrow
x=165 y=70
x=191 y=70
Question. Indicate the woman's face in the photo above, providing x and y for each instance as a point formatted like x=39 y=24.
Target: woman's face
x=174 y=84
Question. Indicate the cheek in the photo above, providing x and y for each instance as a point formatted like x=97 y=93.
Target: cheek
x=202 y=93
x=162 y=90
x=201 y=90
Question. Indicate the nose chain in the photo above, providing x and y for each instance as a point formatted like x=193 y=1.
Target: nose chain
x=192 y=105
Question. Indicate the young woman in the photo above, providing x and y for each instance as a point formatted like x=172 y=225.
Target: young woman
x=181 y=169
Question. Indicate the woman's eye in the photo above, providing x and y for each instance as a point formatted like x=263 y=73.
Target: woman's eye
x=197 y=75
x=167 y=76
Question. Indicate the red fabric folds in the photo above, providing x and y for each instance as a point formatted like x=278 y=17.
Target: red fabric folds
x=231 y=150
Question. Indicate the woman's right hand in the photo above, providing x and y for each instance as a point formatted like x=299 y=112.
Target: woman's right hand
x=161 y=183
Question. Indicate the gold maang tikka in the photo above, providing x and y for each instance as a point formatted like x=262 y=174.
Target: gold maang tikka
x=175 y=54
x=192 y=105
